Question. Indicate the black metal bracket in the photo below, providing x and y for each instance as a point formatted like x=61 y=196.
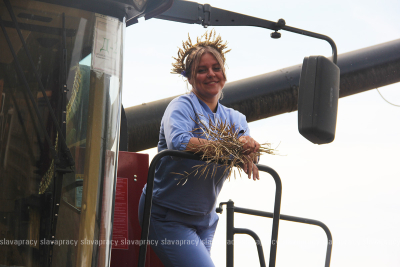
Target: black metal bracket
x=194 y=13
x=279 y=25
x=188 y=155
x=206 y=15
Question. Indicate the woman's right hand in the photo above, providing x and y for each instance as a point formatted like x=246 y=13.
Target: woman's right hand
x=249 y=145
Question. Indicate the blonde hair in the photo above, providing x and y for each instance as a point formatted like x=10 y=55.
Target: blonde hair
x=189 y=51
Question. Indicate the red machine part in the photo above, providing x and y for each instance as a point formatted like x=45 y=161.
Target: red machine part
x=132 y=176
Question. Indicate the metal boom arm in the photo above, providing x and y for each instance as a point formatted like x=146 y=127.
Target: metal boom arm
x=194 y=13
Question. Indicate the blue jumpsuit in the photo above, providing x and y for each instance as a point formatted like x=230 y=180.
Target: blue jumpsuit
x=183 y=219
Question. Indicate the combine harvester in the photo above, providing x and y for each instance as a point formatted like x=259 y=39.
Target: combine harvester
x=63 y=128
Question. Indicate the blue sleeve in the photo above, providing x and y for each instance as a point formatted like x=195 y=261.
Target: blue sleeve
x=178 y=124
x=240 y=123
x=246 y=129
x=242 y=126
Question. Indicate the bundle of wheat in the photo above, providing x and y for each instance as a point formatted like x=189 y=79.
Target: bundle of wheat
x=222 y=147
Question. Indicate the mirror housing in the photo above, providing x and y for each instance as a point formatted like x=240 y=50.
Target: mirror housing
x=318 y=99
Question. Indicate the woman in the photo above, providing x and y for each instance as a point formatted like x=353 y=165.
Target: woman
x=183 y=219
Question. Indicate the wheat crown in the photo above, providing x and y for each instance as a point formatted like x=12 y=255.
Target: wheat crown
x=207 y=39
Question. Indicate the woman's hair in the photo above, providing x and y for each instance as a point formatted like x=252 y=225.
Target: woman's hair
x=193 y=61
x=189 y=56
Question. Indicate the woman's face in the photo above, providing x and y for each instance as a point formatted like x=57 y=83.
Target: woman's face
x=209 y=78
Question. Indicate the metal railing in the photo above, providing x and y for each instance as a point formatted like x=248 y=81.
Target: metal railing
x=230 y=215
x=231 y=231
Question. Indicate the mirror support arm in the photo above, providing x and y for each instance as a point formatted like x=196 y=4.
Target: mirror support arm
x=194 y=13
x=318 y=36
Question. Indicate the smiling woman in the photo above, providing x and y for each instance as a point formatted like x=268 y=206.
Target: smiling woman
x=186 y=211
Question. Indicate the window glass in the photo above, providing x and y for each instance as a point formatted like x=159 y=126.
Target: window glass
x=46 y=216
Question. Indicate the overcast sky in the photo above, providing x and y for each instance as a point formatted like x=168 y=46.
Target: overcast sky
x=352 y=184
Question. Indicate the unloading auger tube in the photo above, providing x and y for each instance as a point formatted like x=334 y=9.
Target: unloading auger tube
x=276 y=92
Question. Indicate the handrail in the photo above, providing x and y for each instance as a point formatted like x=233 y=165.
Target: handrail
x=231 y=209
x=188 y=155
x=258 y=242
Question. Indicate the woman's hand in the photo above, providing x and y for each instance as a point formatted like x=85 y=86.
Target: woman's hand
x=197 y=145
x=250 y=148
x=249 y=145
x=250 y=167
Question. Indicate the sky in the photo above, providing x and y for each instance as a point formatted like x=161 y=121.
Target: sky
x=352 y=185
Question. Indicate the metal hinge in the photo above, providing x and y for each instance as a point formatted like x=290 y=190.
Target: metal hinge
x=206 y=15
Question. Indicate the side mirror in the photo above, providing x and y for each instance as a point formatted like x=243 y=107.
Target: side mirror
x=318 y=99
